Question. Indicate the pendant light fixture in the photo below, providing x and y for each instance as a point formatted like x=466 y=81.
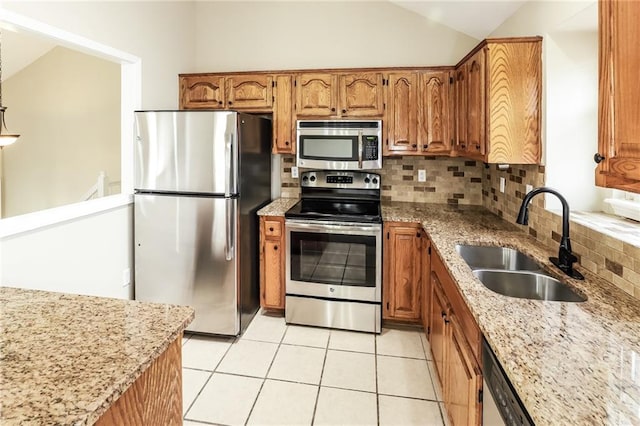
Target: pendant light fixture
x=6 y=137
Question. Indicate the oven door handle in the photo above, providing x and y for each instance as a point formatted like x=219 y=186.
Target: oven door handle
x=333 y=226
x=359 y=149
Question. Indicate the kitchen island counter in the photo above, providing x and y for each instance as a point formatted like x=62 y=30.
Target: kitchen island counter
x=570 y=363
x=66 y=359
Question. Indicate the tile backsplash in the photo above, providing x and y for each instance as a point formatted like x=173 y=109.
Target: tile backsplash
x=448 y=180
x=599 y=252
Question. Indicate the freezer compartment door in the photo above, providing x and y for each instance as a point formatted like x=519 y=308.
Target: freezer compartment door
x=186 y=254
x=186 y=151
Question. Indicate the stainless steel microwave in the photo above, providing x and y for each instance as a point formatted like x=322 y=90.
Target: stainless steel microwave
x=339 y=144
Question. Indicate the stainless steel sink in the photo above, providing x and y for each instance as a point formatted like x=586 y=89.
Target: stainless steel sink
x=527 y=285
x=484 y=257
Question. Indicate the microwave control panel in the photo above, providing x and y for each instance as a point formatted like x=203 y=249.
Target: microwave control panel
x=370 y=147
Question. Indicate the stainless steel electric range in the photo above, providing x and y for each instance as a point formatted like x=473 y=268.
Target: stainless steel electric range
x=334 y=252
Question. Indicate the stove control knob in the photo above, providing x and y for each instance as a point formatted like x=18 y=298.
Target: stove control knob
x=375 y=181
x=367 y=180
x=312 y=178
x=305 y=178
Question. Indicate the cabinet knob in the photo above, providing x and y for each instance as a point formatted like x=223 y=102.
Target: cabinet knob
x=286 y=143
x=271 y=229
x=598 y=158
x=477 y=146
x=219 y=102
x=446 y=321
x=414 y=145
x=463 y=145
x=425 y=146
x=418 y=234
x=230 y=103
x=344 y=111
x=443 y=314
x=333 y=110
x=275 y=247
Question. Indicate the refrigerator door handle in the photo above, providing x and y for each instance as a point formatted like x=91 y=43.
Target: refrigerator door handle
x=229 y=166
x=230 y=237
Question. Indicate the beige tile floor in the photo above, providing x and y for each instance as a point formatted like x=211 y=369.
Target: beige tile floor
x=279 y=374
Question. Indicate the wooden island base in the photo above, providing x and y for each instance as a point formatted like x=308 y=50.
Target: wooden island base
x=155 y=398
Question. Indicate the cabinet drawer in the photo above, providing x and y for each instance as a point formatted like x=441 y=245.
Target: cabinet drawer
x=272 y=228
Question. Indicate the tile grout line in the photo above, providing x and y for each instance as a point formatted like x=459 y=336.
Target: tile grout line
x=324 y=362
x=184 y=416
x=264 y=380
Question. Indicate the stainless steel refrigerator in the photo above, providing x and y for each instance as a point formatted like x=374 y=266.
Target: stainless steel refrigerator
x=200 y=177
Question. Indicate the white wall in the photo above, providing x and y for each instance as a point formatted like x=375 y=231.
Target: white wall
x=160 y=33
x=570 y=110
x=272 y=35
x=66 y=107
x=86 y=256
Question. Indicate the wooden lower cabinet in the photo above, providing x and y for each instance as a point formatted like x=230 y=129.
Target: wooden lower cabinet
x=455 y=338
x=464 y=378
x=402 y=280
x=272 y=262
x=426 y=282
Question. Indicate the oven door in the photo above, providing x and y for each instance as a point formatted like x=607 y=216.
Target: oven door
x=334 y=260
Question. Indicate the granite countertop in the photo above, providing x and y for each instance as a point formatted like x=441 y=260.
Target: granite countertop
x=278 y=207
x=64 y=359
x=571 y=363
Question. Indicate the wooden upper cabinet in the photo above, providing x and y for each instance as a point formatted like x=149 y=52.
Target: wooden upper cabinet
x=361 y=95
x=401 y=114
x=316 y=95
x=619 y=94
x=475 y=104
x=434 y=113
x=498 y=99
x=254 y=92
x=461 y=95
x=402 y=282
x=202 y=92
x=283 y=126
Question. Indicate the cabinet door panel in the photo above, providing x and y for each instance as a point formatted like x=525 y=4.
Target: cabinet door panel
x=316 y=95
x=433 y=113
x=403 y=278
x=202 y=92
x=253 y=92
x=439 y=311
x=361 y=95
x=619 y=90
x=464 y=379
x=460 y=90
x=426 y=282
x=476 y=104
x=402 y=114
x=283 y=127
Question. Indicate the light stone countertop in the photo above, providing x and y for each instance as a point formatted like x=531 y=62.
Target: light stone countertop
x=571 y=363
x=64 y=359
x=278 y=207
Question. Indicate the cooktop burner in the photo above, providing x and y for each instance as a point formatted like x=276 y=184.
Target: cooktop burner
x=337 y=210
x=341 y=196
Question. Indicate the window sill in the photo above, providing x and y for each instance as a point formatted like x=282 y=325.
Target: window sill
x=625 y=230
x=32 y=221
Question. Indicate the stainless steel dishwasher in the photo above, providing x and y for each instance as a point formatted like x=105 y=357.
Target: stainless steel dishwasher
x=501 y=404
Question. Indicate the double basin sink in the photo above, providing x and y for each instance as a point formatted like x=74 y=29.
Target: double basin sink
x=513 y=273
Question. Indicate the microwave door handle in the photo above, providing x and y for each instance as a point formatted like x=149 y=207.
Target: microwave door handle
x=359 y=149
